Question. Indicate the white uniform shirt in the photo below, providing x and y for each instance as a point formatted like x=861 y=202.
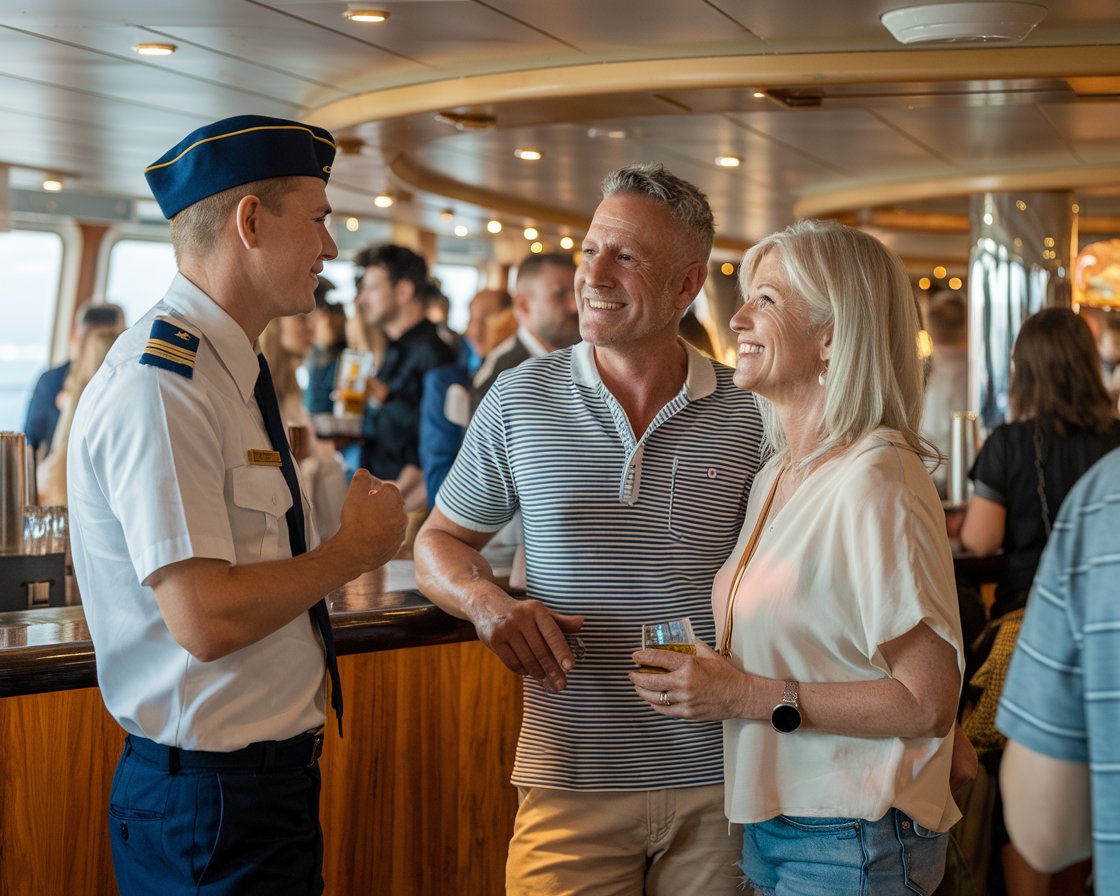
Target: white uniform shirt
x=159 y=472
x=856 y=558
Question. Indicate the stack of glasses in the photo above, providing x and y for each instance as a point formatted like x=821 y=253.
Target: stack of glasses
x=33 y=540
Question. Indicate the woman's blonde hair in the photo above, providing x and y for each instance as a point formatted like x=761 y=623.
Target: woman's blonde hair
x=860 y=290
x=92 y=349
x=282 y=364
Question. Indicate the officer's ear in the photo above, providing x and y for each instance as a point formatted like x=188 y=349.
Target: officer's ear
x=247 y=218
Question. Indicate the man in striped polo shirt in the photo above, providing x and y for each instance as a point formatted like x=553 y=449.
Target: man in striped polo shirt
x=630 y=457
x=1060 y=706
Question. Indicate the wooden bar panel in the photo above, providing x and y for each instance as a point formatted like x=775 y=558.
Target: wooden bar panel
x=416 y=798
x=56 y=763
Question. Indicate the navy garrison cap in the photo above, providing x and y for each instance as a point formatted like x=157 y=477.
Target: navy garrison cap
x=236 y=151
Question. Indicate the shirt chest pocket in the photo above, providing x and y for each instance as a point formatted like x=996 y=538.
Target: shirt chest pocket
x=704 y=502
x=258 y=500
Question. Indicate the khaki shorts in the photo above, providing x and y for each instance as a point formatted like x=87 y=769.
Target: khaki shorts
x=636 y=843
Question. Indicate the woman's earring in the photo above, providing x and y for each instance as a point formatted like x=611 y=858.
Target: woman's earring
x=822 y=376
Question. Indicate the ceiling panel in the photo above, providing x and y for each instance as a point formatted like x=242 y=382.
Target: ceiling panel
x=74 y=98
x=985 y=135
x=627 y=31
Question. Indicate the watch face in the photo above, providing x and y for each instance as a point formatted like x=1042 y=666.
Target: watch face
x=785 y=718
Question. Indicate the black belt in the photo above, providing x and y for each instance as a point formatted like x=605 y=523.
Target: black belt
x=300 y=751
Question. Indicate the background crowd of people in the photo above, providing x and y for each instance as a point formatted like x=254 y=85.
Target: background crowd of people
x=786 y=506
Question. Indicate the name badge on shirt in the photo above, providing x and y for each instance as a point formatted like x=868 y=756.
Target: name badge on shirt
x=260 y=457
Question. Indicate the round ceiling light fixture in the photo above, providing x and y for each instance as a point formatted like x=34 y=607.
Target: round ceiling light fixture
x=963 y=22
x=364 y=14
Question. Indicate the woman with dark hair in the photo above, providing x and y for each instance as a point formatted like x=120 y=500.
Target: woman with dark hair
x=1062 y=422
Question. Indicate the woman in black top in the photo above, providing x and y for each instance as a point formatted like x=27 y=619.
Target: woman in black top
x=1062 y=423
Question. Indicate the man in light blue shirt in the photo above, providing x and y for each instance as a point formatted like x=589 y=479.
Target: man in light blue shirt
x=1060 y=708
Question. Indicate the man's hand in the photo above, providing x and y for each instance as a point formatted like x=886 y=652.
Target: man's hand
x=527 y=636
x=376 y=389
x=373 y=522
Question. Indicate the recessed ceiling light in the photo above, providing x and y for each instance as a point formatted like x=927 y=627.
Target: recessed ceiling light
x=365 y=14
x=52 y=185
x=986 y=22
x=531 y=233
x=352 y=224
x=528 y=155
x=154 y=49
x=447 y=214
x=461 y=230
x=494 y=226
x=536 y=248
x=383 y=200
x=759 y=94
x=566 y=242
x=607 y=133
x=728 y=161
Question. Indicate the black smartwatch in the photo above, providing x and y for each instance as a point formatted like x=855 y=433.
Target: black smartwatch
x=786 y=717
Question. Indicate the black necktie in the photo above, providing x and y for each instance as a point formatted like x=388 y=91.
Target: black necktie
x=265 y=393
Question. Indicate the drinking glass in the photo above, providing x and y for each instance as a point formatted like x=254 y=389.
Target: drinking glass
x=36 y=535
x=57 y=524
x=354 y=368
x=674 y=634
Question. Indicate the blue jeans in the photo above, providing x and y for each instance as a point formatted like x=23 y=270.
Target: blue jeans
x=794 y=856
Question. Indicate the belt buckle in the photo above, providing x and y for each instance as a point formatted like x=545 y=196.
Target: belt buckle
x=316 y=748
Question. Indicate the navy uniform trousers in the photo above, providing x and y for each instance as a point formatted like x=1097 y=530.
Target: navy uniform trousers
x=242 y=823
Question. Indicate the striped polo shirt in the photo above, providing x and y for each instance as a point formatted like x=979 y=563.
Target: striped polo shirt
x=1062 y=694
x=621 y=530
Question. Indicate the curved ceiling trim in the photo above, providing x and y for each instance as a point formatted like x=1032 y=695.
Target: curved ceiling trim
x=713 y=72
x=434 y=182
x=870 y=195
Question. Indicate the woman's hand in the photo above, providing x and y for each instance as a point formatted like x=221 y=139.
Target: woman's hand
x=703 y=688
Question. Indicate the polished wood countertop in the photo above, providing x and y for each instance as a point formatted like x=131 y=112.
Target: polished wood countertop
x=49 y=649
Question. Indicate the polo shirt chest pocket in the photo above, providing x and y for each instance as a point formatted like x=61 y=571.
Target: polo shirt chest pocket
x=259 y=499
x=703 y=501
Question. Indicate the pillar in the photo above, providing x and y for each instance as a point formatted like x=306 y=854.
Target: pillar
x=1022 y=249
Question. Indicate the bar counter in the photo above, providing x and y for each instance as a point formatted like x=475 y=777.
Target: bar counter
x=416 y=797
x=49 y=649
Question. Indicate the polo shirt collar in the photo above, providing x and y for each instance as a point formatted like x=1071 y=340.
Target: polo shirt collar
x=700 y=380
x=221 y=332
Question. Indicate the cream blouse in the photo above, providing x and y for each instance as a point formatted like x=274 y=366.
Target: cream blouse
x=856 y=558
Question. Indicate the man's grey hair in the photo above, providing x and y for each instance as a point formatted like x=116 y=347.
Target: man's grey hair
x=686 y=202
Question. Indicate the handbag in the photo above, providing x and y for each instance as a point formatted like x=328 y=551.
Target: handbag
x=979 y=720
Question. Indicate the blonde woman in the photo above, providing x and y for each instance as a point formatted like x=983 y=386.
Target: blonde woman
x=51 y=475
x=841 y=660
x=285 y=343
